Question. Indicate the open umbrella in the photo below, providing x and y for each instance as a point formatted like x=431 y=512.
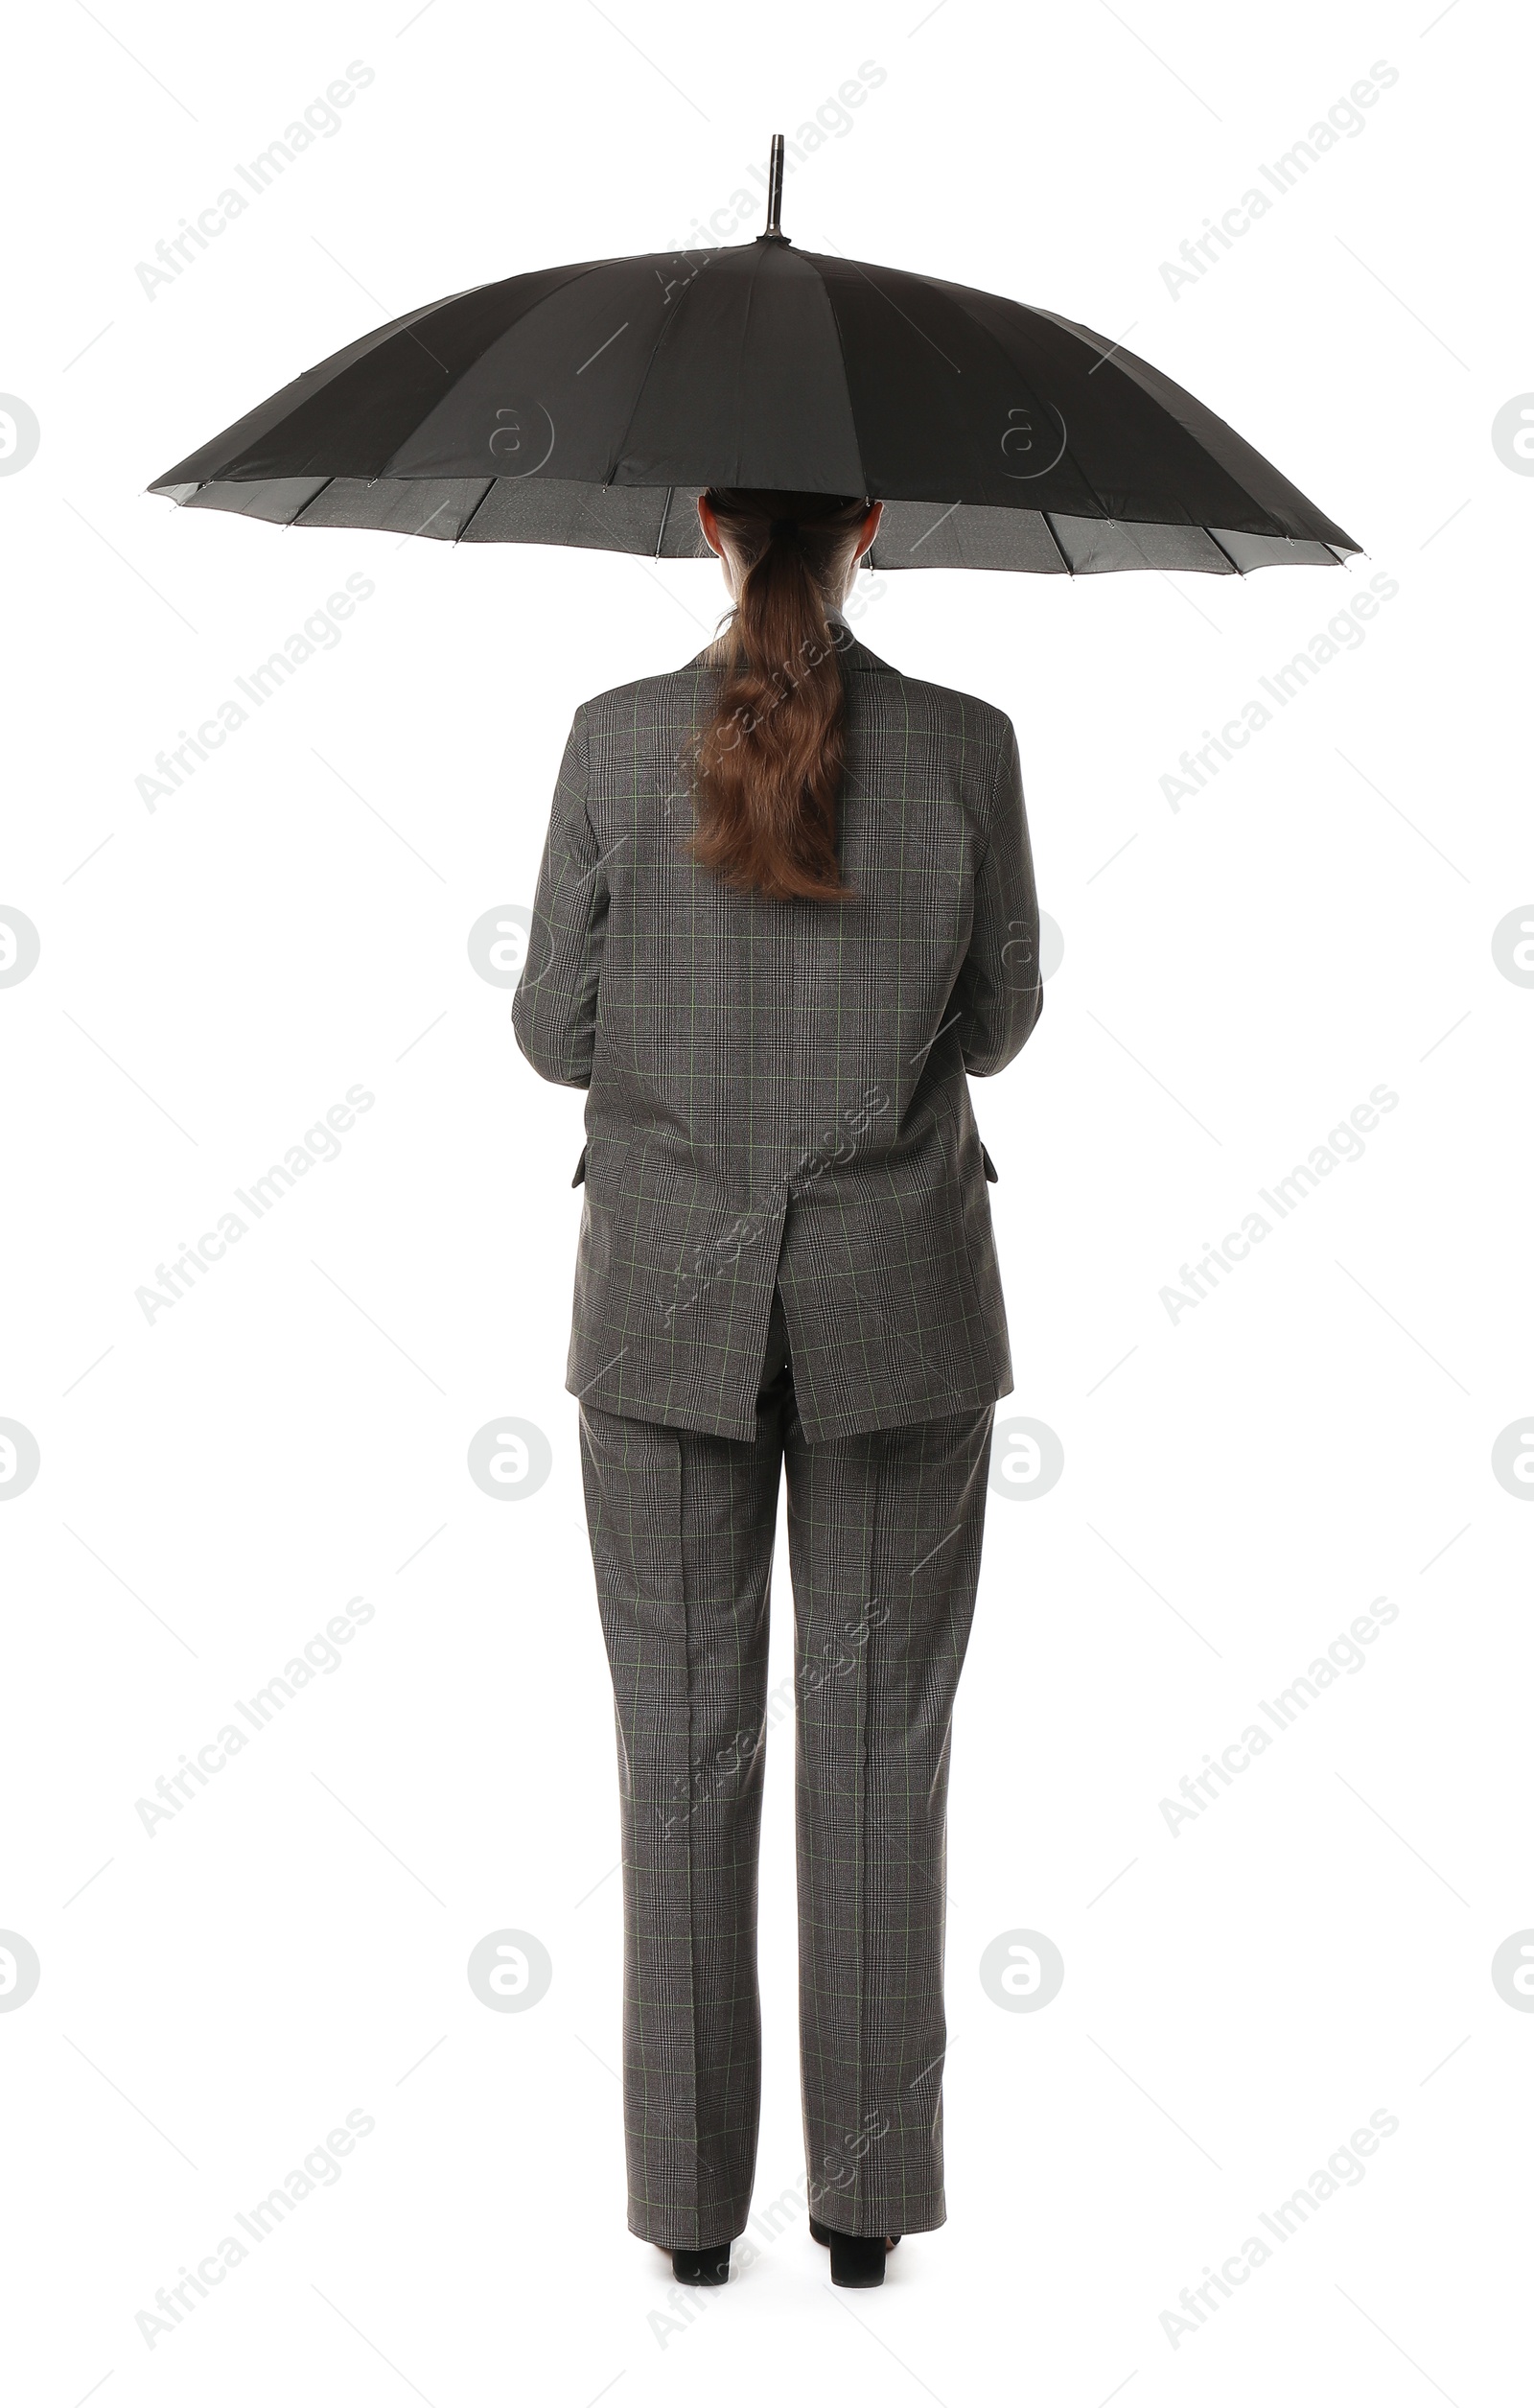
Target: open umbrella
x=590 y=404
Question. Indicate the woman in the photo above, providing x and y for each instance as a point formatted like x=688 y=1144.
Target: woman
x=785 y=904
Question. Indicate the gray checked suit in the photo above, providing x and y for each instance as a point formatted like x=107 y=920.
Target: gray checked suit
x=776 y=1092
x=785 y=1267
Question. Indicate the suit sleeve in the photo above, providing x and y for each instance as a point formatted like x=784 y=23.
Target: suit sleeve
x=553 y=1011
x=999 y=994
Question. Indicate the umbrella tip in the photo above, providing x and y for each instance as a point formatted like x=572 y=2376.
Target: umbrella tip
x=775 y=193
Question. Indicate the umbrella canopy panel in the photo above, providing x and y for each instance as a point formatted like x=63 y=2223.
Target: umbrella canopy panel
x=590 y=404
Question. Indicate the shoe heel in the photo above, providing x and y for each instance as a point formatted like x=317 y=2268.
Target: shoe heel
x=857 y=2261
x=704 y=2269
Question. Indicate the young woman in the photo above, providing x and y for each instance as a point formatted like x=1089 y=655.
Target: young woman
x=785 y=905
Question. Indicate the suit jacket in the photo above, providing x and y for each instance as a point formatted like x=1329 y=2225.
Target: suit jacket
x=777 y=1092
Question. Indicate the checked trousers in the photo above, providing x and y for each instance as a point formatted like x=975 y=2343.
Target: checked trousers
x=885 y=1530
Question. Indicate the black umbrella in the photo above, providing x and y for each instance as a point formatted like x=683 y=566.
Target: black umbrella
x=592 y=405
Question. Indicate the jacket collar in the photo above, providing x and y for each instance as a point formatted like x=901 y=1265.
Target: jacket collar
x=854 y=655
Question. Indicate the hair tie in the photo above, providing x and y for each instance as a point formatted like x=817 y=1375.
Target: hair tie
x=783 y=527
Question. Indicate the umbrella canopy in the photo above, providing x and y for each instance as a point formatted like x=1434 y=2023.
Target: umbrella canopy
x=590 y=404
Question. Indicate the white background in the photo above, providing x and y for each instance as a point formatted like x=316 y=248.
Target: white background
x=1239 y=1484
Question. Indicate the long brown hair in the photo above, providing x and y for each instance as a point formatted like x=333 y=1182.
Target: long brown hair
x=767 y=768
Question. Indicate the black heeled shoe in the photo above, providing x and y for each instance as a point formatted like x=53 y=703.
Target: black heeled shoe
x=857 y=2258
x=704 y=2268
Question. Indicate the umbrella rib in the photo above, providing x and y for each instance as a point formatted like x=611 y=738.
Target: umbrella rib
x=660 y=537
x=899 y=311
x=1005 y=355
x=639 y=390
x=1055 y=541
x=740 y=354
x=455 y=377
x=1068 y=453
x=846 y=381
x=1105 y=358
x=1117 y=369
x=1228 y=555
x=310 y=504
x=491 y=483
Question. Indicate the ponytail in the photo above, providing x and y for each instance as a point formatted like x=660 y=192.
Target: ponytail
x=767 y=766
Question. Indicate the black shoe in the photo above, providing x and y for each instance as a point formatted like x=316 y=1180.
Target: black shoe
x=705 y=2268
x=857 y=2259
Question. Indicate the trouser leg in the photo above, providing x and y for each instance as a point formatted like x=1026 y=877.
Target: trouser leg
x=885 y=1534
x=682 y=1529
